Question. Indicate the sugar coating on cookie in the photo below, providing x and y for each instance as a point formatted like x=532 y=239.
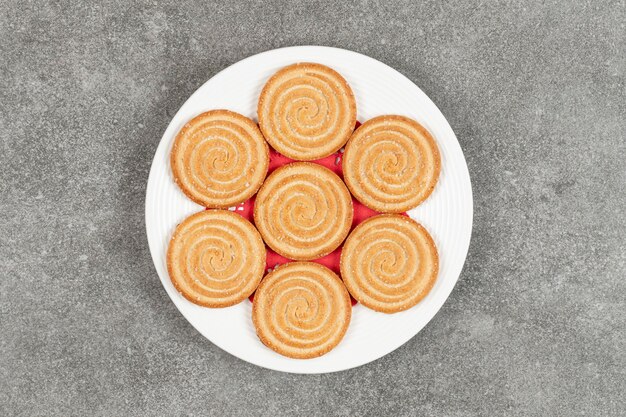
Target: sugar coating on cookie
x=389 y=263
x=391 y=164
x=307 y=111
x=216 y=258
x=303 y=211
x=301 y=310
x=219 y=158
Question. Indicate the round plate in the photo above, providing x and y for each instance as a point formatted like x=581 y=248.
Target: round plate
x=446 y=214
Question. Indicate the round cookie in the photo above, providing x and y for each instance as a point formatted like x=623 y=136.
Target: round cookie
x=389 y=263
x=303 y=211
x=391 y=164
x=216 y=258
x=219 y=158
x=301 y=310
x=307 y=111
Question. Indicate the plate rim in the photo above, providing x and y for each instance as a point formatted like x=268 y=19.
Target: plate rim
x=464 y=248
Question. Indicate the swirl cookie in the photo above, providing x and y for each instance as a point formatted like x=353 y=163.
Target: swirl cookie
x=307 y=111
x=216 y=258
x=301 y=310
x=389 y=263
x=219 y=158
x=303 y=211
x=391 y=164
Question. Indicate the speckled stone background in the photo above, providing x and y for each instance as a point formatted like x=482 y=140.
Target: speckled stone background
x=535 y=93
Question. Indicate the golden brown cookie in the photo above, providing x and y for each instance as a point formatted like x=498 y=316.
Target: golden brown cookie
x=301 y=310
x=391 y=164
x=389 y=263
x=303 y=211
x=307 y=111
x=216 y=258
x=219 y=158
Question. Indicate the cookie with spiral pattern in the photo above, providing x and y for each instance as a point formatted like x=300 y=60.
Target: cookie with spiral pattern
x=307 y=111
x=391 y=164
x=389 y=263
x=216 y=258
x=219 y=158
x=301 y=310
x=303 y=211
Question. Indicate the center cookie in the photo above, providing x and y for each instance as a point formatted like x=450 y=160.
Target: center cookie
x=303 y=211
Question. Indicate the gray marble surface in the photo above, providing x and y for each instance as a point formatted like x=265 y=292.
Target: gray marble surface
x=535 y=93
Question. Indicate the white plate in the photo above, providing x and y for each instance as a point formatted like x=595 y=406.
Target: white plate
x=447 y=213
